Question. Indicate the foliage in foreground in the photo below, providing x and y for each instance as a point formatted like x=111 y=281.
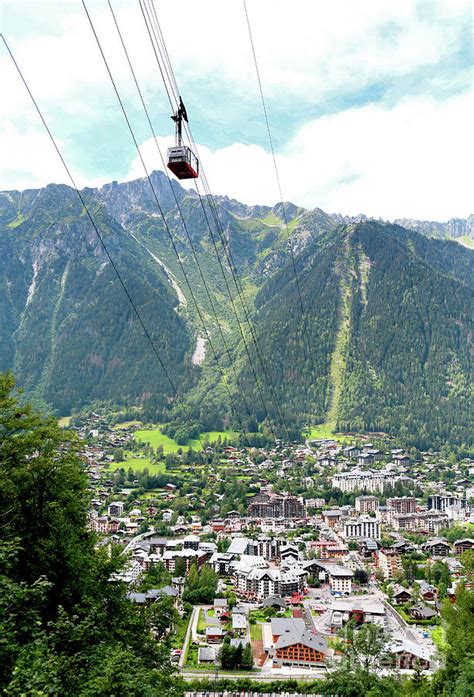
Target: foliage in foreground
x=64 y=627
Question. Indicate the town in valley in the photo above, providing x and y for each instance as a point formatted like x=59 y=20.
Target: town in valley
x=270 y=558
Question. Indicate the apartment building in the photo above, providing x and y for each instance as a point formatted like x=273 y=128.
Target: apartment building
x=390 y=563
x=272 y=505
x=366 y=504
x=371 y=481
x=362 y=528
x=441 y=502
x=402 y=504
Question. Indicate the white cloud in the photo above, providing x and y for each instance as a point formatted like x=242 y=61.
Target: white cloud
x=414 y=160
x=410 y=159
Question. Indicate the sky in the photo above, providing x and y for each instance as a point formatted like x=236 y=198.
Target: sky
x=370 y=102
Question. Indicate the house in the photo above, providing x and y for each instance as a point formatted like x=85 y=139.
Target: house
x=275 y=602
x=115 y=508
x=461 y=546
x=400 y=594
x=422 y=612
x=239 y=624
x=220 y=606
x=206 y=654
x=367 y=548
x=407 y=655
x=437 y=547
x=215 y=635
x=365 y=459
x=331 y=517
x=427 y=591
x=351 y=451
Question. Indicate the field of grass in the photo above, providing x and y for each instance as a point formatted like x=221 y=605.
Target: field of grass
x=201 y=625
x=325 y=431
x=138 y=464
x=155 y=438
x=256 y=632
x=177 y=639
x=64 y=421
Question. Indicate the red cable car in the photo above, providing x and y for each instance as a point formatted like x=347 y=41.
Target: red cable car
x=181 y=159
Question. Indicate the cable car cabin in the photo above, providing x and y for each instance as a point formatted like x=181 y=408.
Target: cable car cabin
x=183 y=162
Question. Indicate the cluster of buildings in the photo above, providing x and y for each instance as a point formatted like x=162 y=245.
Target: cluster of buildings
x=280 y=547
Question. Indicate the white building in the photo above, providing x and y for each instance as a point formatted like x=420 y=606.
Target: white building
x=357 y=480
x=362 y=528
x=340 y=578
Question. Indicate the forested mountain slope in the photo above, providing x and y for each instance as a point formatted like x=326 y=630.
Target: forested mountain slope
x=385 y=344
x=67 y=329
x=391 y=336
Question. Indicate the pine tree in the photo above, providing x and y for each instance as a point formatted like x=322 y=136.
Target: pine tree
x=247 y=658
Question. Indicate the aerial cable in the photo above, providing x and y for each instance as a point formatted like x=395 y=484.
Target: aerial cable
x=152 y=32
x=147 y=174
x=167 y=69
x=173 y=101
x=277 y=176
x=196 y=258
x=89 y=215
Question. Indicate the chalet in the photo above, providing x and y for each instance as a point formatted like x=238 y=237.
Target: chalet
x=275 y=602
x=331 y=518
x=351 y=451
x=206 y=654
x=437 y=547
x=427 y=592
x=408 y=655
x=422 y=612
x=376 y=454
x=400 y=594
x=215 y=635
x=220 y=606
x=401 y=460
x=239 y=624
x=461 y=546
x=365 y=459
x=367 y=547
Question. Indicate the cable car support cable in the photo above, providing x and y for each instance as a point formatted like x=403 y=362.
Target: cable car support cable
x=92 y=221
x=155 y=196
x=195 y=256
x=277 y=176
x=165 y=68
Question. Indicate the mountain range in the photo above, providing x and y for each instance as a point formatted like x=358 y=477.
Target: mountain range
x=260 y=315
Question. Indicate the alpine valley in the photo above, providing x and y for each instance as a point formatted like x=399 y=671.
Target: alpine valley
x=358 y=324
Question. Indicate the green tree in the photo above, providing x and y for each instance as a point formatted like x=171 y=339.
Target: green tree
x=247 y=658
x=66 y=628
